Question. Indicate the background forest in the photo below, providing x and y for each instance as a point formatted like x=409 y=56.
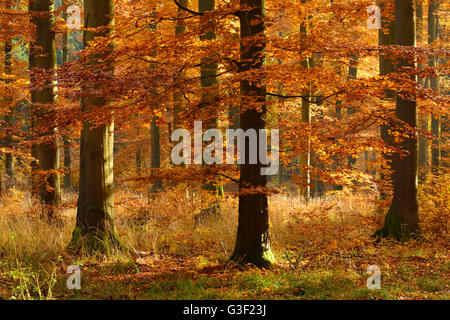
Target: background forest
x=91 y=93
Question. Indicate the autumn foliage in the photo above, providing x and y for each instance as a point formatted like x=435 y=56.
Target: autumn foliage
x=311 y=68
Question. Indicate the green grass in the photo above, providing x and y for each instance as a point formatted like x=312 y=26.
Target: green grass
x=123 y=279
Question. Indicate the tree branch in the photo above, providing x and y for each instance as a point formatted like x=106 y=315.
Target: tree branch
x=225 y=176
x=187 y=9
x=305 y=98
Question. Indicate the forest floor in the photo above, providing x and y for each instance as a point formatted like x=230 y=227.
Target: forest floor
x=323 y=249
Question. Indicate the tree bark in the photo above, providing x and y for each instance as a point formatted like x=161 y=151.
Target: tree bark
x=156 y=152
x=43 y=56
x=424 y=121
x=386 y=65
x=155 y=142
x=67 y=154
x=9 y=157
x=95 y=228
x=433 y=22
x=305 y=156
x=402 y=218
x=208 y=72
x=180 y=28
x=252 y=241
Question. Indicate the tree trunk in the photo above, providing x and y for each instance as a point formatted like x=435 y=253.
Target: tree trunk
x=424 y=121
x=386 y=67
x=156 y=152
x=208 y=72
x=139 y=157
x=66 y=140
x=95 y=228
x=9 y=157
x=155 y=141
x=305 y=156
x=252 y=241
x=180 y=28
x=67 y=164
x=433 y=22
x=402 y=218
x=43 y=56
x=352 y=74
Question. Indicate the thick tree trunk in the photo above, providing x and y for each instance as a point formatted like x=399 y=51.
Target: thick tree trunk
x=43 y=56
x=433 y=22
x=95 y=229
x=252 y=241
x=402 y=219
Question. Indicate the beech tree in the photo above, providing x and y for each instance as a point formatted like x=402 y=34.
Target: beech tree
x=305 y=157
x=9 y=157
x=209 y=95
x=180 y=29
x=252 y=240
x=402 y=218
x=95 y=228
x=43 y=57
x=66 y=141
x=424 y=119
x=433 y=23
x=155 y=140
x=386 y=37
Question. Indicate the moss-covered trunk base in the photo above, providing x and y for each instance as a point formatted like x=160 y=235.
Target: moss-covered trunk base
x=393 y=228
x=260 y=258
x=88 y=242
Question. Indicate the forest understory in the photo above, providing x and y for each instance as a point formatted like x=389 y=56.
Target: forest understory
x=322 y=249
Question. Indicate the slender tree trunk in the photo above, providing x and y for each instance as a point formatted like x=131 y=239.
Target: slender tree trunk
x=208 y=72
x=234 y=116
x=9 y=157
x=433 y=22
x=43 y=56
x=252 y=241
x=402 y=218
x=139 y=156
x=424 y=121
x=156 y=152
x=67 y=164
x=386 y=38
x=305 y=156
x=352 y=74
x=95 y=228
x=419 y=33
x=66 y=140
x=180 y=29
x=155 y=142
